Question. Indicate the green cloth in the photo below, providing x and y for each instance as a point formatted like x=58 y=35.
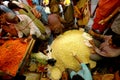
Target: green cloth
x=37 y=22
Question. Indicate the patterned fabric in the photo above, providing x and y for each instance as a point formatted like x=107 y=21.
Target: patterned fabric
x=104 y=9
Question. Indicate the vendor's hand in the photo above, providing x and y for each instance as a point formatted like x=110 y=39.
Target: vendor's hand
x=25 y=40
x=91 y=32
x=102 y=22
x=28 y=39
x=92 y=42
x=92 y=51
x=97 y=50
x=22 y=40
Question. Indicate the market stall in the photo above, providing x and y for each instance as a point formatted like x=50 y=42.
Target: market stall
x=13 y=55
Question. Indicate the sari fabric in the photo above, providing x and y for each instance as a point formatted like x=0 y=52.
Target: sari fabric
x=104 y=9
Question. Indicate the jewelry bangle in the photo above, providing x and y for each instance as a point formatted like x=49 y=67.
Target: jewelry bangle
x=110 y=15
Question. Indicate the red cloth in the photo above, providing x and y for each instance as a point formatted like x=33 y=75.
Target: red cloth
x=29 y=2
x=104 y=9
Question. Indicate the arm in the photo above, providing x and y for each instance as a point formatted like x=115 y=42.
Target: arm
x=96 y=35
x=96 y=49
x=110 y=16
x=103 y=53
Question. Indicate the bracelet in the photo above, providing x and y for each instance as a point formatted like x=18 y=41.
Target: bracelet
x=110 y=15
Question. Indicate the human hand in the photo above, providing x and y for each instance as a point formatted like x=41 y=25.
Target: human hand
x=92 y=43
x=25 y=40
x=28 y=39
x=22 y=40
x=101 y=22
x=97 y=50
x=91 y=32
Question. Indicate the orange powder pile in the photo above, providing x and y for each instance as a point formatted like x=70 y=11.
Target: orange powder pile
x=11 y=55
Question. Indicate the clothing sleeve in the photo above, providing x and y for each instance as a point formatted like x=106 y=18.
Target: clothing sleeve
x=20 y=34
x=33 y=28
x=86 y=72
x=72 y=74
